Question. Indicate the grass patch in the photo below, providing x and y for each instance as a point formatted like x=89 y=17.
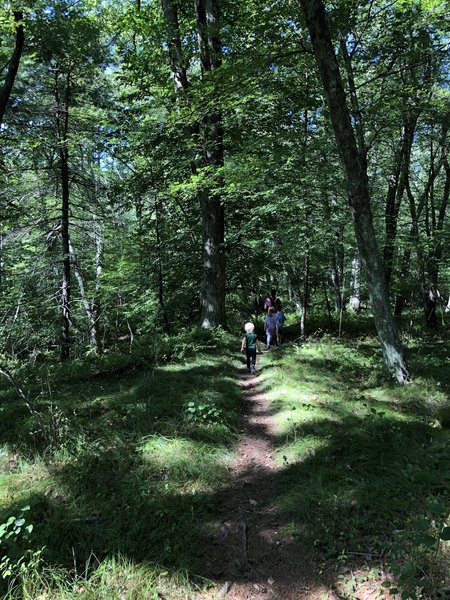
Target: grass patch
x=122 y=505
x=362 y=459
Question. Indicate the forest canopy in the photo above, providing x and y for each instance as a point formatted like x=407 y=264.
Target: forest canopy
x=178 y=180
x=164 y=164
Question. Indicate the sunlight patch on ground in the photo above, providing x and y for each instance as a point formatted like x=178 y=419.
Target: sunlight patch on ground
x=186 y=465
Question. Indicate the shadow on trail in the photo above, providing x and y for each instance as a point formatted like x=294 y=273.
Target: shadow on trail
x=116 y=495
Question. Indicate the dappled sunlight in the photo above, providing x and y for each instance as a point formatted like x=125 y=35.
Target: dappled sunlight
x=184 y=465
x=145 y=475
x=356 y=462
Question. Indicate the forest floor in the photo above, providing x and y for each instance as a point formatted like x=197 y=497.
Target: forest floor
x=316 y=479
x=252 y=557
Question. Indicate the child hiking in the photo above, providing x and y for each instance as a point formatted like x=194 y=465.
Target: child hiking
x=249 y=345
x=280 y=319
x=270 y=301
x=270 y=327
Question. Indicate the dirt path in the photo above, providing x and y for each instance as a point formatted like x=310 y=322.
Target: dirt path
x=251 y=558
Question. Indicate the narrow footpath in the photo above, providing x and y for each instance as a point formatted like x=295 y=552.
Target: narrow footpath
x=252 y=559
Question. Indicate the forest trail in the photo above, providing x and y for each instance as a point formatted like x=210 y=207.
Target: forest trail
x=251 y=559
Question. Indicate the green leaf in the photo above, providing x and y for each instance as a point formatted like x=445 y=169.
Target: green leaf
x=445 y=534
x=386 y=584
x=19 y=522
x=437 y=509
x=425 y=540
x=422 y=524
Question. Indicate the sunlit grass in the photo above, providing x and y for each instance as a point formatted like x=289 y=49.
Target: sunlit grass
x=361 y=456
x=184 y=465
x=139 y=460
x=125 y=503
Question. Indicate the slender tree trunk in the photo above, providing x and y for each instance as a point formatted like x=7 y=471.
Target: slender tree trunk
x=65 y=289
x=96 y=338
x=336 y=253
x=162 y=304
x=327 y=303
x=355 y=286
x=84 y=300
x=306 y=286
x=208 y=138
x=13 y=67
x=1 y=261
x=416 y=210
x=177 y=62
x=355 y=166
x=435 y=253
x=62 y=127
x=396 y=189
x=336 y=281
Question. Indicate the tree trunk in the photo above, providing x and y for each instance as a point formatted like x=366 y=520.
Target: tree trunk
x=1 y=261
x=62 y=128
x=177 y=63
x=65 y=290
x=397 y=185
x=84 y=300
x=96 y=339
x=336 y=281
x=355 y=286
x=416 y=209
x=435 y=253
x=13 y=67
x=159 y=259
x=212 y=292
x=355 y=167
x=327 y=304
x=208 y=133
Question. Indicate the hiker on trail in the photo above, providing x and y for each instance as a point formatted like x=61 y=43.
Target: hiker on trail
x=249 y=345
x=280 y=319
x=270 y=327
x=270 y=301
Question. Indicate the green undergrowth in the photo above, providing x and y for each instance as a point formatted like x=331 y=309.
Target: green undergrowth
x=122 y=502
x=365 y=463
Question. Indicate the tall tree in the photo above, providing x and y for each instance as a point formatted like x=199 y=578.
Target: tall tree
x=355 y=165
x=206 y=136
x=13 y=64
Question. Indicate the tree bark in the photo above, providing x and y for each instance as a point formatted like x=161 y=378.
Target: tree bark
x=62 y=128
x=336 y=281
x=396 y=189
x=96 y=304
x=416 y=210
x=212 y=292
x=177 y=64
x=1 y=262
x=159 y=258
x=355 y=286
x=208 y=136
x=438 y=220
x=13 y=67
x=355 y=166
